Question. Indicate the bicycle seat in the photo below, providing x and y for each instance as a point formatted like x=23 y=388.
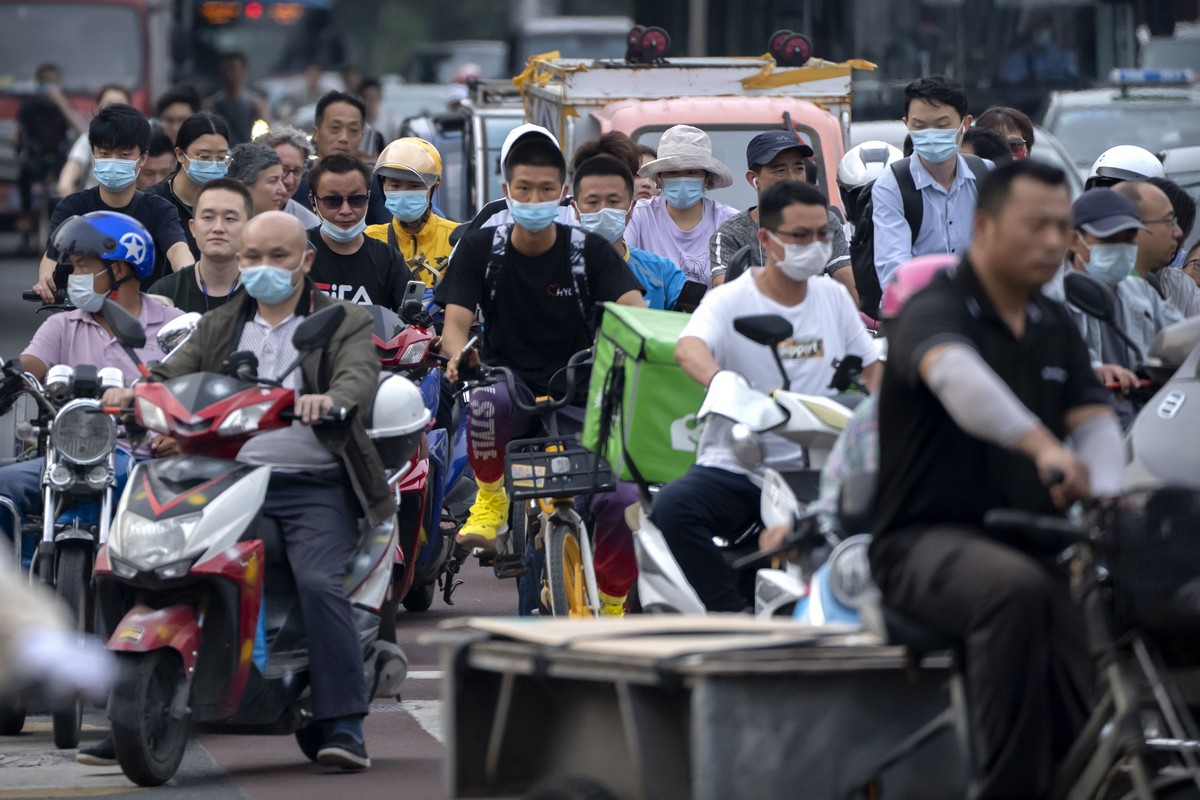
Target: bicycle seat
x=916 y=636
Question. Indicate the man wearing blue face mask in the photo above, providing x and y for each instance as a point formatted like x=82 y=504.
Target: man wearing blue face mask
x=939 y=176
x=1104 y=246
x=120 y=138
x=348 y=264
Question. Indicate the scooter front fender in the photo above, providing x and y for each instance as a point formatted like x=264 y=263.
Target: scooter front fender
x=144 y=629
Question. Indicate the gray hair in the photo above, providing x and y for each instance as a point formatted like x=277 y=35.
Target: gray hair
x=249 y=159
x=286 y=134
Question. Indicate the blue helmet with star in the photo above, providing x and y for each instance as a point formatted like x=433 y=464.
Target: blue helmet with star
x=110 y=235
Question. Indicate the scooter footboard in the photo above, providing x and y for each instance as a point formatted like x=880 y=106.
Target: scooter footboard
x=144 y=629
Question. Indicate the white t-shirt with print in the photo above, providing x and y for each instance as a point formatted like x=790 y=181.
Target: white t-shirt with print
x=826 y=327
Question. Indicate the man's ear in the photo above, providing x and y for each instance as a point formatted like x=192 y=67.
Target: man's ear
x=307 y=262
x=750 y=176
x=968 y=121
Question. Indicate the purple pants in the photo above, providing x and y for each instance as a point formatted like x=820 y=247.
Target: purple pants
x=494 y=421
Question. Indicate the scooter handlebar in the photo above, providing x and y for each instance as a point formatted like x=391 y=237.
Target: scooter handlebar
x=334 y=416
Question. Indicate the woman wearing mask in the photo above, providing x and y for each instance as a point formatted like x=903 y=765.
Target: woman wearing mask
x=202 y=150
x=678 y=223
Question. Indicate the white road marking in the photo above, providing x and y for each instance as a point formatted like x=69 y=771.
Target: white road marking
x=425 y=675
x=428 y=714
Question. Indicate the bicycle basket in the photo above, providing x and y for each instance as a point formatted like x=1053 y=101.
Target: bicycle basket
x=1155 y=562
x=554 y=467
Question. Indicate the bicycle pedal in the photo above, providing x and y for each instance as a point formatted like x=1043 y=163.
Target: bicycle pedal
x=509 y=566
x=486 y=557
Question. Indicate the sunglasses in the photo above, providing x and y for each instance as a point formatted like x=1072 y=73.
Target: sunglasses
x=1017 y=146
x=332 y=202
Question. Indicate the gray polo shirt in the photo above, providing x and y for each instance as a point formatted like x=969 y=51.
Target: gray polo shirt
x=737 y=232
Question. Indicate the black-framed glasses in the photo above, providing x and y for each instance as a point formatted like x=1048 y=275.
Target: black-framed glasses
x=296 y=171
x=802 y=236
x=1171 y=221
x=1194 y=264
x=332 y=202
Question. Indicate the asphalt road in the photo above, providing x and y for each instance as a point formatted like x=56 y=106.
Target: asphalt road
x=403 y=738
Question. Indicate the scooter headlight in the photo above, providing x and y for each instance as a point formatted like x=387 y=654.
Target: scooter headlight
x=244 y=419
x=149 y=543
x=151 y=416
x=82 y=433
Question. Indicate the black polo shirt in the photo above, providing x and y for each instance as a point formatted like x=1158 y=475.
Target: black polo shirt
x=930 y=470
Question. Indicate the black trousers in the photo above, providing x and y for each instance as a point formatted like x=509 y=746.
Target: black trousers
x=706 y=502
x=1028 y=672
x=316 y=513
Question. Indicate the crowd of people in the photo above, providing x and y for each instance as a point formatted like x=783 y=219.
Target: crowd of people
x=987 y=375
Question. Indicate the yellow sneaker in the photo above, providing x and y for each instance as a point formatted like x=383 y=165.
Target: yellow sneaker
x=612 y=606
x=489 y=517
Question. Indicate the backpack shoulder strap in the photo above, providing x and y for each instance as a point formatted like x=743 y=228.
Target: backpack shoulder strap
x=977 y=165
x=392 y=234
x=910 y=196
x=496 y=257
x=578 y=263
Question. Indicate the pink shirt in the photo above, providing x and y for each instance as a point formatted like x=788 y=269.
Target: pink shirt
x=74 y=337
x=652 y=229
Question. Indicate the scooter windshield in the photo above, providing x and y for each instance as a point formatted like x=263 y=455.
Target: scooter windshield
x=731 y=396
x=200 y=390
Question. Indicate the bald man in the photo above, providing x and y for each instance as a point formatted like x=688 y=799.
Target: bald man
x=1157 y=243
x=322 y=478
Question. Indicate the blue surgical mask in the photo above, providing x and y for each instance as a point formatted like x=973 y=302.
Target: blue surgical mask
x=406 y=206
x=82 y=293
x=268 y=283
x=607 y=223
x=683 y=192
x=935 y=145
x=115 y=174
x=201 y=172
x=533 y=217
x=343 y=235
x=1111 y=263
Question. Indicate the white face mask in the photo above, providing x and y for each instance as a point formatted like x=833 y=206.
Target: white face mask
x=803 y=261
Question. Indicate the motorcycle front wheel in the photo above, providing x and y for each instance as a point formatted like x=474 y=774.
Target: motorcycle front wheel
x=12 y=715
x=72 y=577
x=149 y=742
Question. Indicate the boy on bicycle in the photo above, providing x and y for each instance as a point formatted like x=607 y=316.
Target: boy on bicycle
x=536 y=283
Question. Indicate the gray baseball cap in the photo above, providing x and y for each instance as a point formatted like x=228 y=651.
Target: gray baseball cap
x=1103 y=213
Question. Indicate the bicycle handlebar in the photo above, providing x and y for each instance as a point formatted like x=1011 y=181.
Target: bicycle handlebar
x=483 y=375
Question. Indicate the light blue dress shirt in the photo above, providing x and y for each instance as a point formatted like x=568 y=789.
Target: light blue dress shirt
x=945 y=224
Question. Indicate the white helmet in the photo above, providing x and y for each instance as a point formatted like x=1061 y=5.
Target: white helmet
x=520 y=132
x=1127 y=162
x=865 y=162
x=398 y=418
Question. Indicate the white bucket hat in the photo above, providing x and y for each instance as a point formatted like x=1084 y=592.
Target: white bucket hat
x=685 y=147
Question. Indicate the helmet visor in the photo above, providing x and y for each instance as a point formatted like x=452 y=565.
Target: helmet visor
x=78 y=236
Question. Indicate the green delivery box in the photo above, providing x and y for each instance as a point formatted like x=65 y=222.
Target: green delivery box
x=640 y=402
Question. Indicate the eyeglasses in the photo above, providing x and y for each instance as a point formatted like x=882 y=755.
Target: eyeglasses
x=294 y=171
x=332 y=202
x=1017 y=146
x=802 y=236
x=205 y=158
x=1193 y=264
x=1171 y=221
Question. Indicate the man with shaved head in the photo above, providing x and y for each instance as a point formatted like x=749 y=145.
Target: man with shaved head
x=322 y=478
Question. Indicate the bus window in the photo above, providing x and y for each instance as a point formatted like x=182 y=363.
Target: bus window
x=68 y=35
x=277 y=37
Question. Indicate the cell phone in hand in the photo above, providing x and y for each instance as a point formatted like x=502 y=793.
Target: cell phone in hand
x=472 y=344
x=415 y=290
x=689 y=297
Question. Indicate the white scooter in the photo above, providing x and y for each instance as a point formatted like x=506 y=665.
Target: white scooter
x=812 y=421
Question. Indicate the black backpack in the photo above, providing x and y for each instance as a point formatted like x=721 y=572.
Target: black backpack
x=862 y=246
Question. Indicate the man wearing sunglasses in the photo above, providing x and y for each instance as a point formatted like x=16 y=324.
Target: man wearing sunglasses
x=349 y=265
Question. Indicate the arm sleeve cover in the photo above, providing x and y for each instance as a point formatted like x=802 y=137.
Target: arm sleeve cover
x=1098 y=443
x=977 y=400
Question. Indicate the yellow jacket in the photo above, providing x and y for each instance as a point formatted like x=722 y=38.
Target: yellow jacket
x=427 y=252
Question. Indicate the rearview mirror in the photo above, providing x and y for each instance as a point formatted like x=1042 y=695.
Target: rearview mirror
x=1090 y=296
x=765 y=329
x=125 y=327
x=856 y=502
x=316 y=331
x=175 y=332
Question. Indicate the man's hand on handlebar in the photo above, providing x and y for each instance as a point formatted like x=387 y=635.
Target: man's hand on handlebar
x=1109 y=374
x=310 y=408
x=466 y=359
x=771 y=539
x=1064 y=473
x=164 y=446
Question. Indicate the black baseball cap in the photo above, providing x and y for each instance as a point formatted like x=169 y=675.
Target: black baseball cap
x=765 y=146
x=1103 y=213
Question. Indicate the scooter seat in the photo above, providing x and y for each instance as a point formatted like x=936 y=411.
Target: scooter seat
x=916 y=636
x=267 y=530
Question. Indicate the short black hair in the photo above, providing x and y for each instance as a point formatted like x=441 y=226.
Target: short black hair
x=779 y=196
x=996 y=186
x=337 y=164
x=989 y=144
x=201 y=124
x=160 y=143
x=602 y=165
x=329 y=98
x=369 y=83
x=535 y=151
x=229 y=185
x=118 y=127
x=938 y=89
x=1181 y=201
x=181 y=93
x=614 y=144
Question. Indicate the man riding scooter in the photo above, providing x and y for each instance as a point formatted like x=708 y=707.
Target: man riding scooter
x=319 y=475
x=716 y=494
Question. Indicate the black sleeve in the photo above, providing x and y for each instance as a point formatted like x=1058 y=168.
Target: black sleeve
x=929 y=319
x=69 y=206
x=609 y=276
x=163 y=223
x=1083 y=387
x=462 y=284
x=398 y=276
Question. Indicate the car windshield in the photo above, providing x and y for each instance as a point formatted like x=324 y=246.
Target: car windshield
x=1172 y=54
x=67 y=34
x=1088 y=132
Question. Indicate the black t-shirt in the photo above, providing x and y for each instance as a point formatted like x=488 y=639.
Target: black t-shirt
x=374 y=275
x=534 y=325
x=156 y=214
x=186 y=294
x=165 y=190
x=930 y=470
